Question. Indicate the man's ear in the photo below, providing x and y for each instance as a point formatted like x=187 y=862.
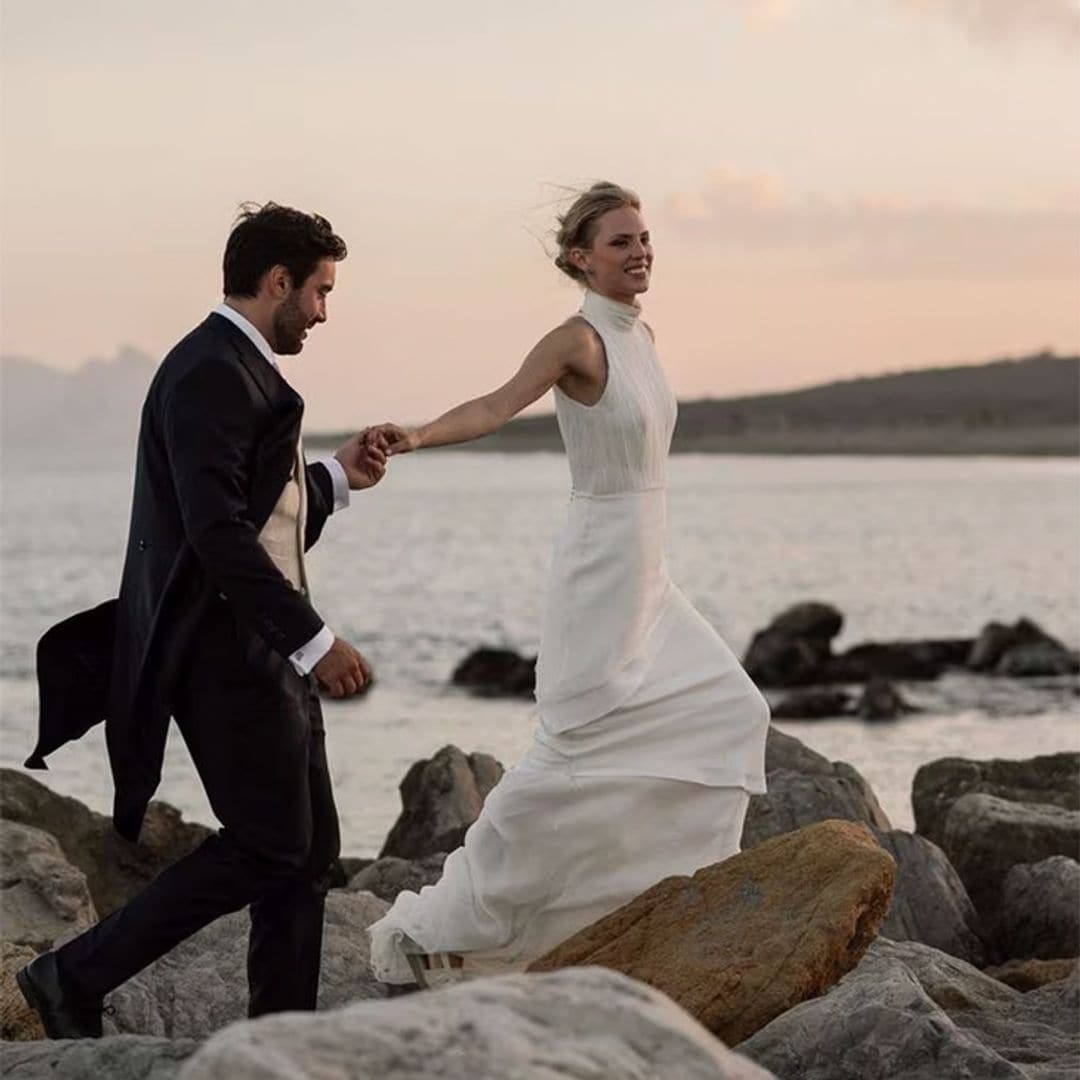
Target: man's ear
x=278 y=282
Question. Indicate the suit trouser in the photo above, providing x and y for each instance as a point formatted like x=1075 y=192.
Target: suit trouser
x=254 y=730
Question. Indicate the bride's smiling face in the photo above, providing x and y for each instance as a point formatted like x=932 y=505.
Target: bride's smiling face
x=619 y=262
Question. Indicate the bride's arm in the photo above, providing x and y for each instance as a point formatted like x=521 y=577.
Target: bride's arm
x=568 y=349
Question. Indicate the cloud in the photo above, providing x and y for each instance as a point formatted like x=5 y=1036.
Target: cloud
x=756 y=214
x=999 y=20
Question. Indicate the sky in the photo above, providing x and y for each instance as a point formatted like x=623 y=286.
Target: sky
x=834 y=187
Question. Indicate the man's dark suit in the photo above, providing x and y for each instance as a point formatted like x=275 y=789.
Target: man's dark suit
x=202 y=630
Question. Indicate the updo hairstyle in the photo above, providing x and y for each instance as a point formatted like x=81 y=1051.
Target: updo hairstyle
x=577 y=227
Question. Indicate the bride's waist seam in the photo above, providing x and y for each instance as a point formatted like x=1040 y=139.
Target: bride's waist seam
x=631 y=494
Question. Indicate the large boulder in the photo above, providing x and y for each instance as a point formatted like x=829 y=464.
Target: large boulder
x=201 y=985
x=915 y=660
x=122 y=1057
x=388 y=876
x=440 y=797
x=17 y=1020
x=804 y=787
x=1020 y=651
x=574 y=1025
x=1050 y=778
x=1039 y=911
x=794 y=648
x=744 y=940
x=985 y=837
x=42 y=896
x=115 y=869
x=496 y=673
x=929 y=902
x=910 y=1011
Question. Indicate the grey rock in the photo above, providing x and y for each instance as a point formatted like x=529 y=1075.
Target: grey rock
x=388 y=876
x=1050 y=778
x=1021 y=650
x=804 y=788
x=42 y=896
x=985 y=837
x=794 y=647
x=201 y=985
x=496 y=673
x=115 y=869
x=916 y=660
x=911 y=1011
x=1039 y=913
x=440 y=797
x=579 y=1024
x=880 y=700
x=812 y=704
x=1037 y=659
x=929 y=904
x=122 y=1057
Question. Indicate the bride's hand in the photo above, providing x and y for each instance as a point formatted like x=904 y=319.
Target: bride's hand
x=393 y=438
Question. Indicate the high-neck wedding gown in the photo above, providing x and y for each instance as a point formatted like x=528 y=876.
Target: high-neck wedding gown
x=651 y=737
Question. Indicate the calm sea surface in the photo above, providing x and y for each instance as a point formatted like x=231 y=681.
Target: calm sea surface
x=451 y=551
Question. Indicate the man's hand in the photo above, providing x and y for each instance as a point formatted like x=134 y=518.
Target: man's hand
x=342 y=672
x=393 y=438
x=363 y=459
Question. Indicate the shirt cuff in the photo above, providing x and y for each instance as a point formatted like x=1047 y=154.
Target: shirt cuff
x=307 y=656
x=339 y=480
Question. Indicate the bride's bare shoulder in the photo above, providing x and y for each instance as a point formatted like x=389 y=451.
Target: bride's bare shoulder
x=575 y=337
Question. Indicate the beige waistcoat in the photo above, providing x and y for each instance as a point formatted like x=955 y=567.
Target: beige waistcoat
x=283 y=534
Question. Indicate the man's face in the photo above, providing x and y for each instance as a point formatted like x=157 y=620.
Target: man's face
x=302 y=309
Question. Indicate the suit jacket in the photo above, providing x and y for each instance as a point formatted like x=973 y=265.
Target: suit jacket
x=216 y=445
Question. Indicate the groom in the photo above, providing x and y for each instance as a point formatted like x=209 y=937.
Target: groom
x=215 y=627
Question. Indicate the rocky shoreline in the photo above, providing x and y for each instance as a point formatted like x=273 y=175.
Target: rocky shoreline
x=832 y=947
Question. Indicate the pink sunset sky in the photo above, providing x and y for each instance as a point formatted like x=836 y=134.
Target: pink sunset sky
x=835 y=187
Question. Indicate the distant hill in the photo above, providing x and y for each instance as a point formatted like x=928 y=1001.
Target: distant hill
x=1029 y=405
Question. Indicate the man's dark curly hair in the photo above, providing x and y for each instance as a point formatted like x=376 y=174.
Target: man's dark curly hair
x=272 y=235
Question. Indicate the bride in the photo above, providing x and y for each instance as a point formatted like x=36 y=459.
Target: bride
x=650 y=736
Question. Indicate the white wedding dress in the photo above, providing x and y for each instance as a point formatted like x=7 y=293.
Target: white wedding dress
x=650 y=735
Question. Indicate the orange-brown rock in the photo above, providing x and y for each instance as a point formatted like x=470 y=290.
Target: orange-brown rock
x=745 y=940
x=17 y=1019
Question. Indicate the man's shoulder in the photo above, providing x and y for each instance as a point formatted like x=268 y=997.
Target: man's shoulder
x=206 y=349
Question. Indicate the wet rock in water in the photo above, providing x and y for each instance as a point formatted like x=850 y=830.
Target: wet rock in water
x=803 y=788
x=1051 y=778
x=985 y=837
x=1039 y=911
x=497 y=672
x=911 y=1011
x=929 y=903
x=881 y=700
x=576 y=1025
x=440 y=797
x=122 y=1057
x=1025 y=975
x=42 y=896
x=388 y=876
x=115 y=869
x=17 y=1020
x=812 y=704
x=201 y=985
x=741 y=941
x=1020 y=651
x=793 y=649
x=915 y=660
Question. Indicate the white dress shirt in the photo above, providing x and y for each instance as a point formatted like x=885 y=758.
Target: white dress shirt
x=307 y=656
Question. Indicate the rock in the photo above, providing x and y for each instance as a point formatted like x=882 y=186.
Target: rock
x=1027 y=975
x=916 y=660
x=17 y=1019
x=793 y=648
x=744 y=940
x=1039 y=912
x=440 y=797
x=201 y=985
x=1052 y=778
x=574 y=1025
x=497 y=672
x=115 y=869
x=386 y=877
x=1021 y=650
x=910 y=1011
x=812 y=704
x=124 y=1057
x=42 y=896
x=929 y=902
x=881 y=700
x=985 y=837
x=805 y=787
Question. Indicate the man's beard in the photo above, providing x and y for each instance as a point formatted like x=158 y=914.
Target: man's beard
x=289 y=325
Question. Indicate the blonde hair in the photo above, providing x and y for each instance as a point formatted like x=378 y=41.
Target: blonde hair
x=577 y=227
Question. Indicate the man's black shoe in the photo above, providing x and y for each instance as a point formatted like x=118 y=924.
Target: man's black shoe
x=64 y=1013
